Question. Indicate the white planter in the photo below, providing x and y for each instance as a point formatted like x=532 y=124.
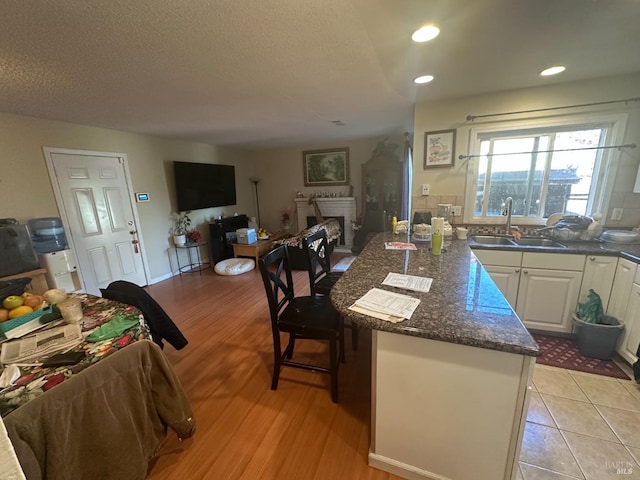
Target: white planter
x=179 y=239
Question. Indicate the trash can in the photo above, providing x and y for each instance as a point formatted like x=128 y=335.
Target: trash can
x=598 y=340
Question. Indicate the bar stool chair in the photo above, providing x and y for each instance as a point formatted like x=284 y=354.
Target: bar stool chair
x=321 y=278
x=308 y=317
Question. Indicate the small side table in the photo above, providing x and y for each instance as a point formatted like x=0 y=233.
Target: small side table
x=195 y=263
x=257 y=249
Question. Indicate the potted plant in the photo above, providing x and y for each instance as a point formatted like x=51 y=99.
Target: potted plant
x=285 y=218
x=597 y=333
x=193 y=236
x=181 y=224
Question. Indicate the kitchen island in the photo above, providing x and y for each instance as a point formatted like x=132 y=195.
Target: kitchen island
x=450 y=385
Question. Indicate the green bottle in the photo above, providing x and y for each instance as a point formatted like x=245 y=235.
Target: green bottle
x=436 y=242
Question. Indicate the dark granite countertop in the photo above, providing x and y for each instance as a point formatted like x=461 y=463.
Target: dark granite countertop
x=591 y=247
x=464 y=305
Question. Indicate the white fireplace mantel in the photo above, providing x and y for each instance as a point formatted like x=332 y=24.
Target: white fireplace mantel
x=330 y=207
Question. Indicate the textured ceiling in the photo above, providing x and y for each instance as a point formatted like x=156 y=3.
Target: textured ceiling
x=266 y=73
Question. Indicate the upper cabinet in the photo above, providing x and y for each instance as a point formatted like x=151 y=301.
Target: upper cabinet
x=382 y=181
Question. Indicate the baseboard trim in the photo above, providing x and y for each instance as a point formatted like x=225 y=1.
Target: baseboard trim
x=402 y=469
x=161 y=278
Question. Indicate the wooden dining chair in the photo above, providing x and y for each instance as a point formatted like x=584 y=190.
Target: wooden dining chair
x=321 y=278
x=305 y=317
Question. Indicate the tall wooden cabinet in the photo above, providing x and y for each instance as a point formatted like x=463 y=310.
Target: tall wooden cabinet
x=382 y=186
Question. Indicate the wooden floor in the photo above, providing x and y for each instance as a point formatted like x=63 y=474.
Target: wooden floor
x=244 y=429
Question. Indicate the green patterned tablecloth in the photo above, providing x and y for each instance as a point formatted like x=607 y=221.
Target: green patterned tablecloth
x=97 y=311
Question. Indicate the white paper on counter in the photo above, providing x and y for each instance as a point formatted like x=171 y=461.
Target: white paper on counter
x=408 y=282
x=371 y=313
x=399 y=246
x=389 y=303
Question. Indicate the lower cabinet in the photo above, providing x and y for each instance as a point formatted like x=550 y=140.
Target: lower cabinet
x=622 y=283
x=542 y=288
x=628 y=346
x=625 y=305
x=599 y=272
x=547 y=298
x=507 y=280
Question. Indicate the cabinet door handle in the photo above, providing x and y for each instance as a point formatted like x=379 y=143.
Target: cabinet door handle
x=517 y=270
x=593 y=259
x=525 y=271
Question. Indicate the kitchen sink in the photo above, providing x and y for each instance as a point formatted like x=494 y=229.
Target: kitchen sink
x=539 y=242
x=491 y=240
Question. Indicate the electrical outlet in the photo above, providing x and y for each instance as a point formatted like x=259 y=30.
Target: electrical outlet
x=616 y=214
x=425 y=189
x=456 y=210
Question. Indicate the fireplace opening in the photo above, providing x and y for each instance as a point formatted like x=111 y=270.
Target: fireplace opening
x=311 y=221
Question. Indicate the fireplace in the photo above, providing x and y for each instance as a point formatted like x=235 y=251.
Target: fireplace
x=342 y=209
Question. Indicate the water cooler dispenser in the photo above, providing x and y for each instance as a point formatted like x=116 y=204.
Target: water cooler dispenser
x=50 y=243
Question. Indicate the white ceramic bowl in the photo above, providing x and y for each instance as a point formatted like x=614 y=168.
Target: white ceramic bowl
x=620 y=236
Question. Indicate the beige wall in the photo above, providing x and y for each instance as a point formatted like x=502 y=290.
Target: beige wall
x=450 y=114
x=26 y=192
x=281 y=175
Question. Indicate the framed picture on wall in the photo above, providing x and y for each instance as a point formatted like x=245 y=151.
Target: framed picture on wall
x=326 y=167
x=439 y=148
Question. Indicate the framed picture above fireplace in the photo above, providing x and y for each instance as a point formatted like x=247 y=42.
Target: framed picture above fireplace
x=326 y=167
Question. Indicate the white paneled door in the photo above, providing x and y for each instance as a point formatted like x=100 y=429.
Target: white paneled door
x=99 y=213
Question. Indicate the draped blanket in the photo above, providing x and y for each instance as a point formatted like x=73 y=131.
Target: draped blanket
x=331 y=226
x=104 y=423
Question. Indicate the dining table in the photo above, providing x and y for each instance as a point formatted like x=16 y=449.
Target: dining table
x=34 y=379
x=103 y=417
x=450 y=381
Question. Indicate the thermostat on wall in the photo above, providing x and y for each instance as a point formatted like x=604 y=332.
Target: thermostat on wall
x=142 y=197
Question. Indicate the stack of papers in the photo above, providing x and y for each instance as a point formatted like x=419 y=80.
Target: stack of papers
x=41 y=345
x=408 y=282
x=390 y=306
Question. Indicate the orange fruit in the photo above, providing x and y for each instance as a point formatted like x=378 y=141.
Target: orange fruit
x=4 y=314
x=19 y=311
x=33 y=301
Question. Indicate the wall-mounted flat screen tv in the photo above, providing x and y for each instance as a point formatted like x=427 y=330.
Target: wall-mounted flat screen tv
x=204 y=185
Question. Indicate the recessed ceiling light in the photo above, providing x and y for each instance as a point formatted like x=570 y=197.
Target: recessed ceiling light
x=426 y=33
x=423 y=79
x=552 y=70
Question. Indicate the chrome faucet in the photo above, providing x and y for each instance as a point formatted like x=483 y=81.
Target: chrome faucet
x=506 y=210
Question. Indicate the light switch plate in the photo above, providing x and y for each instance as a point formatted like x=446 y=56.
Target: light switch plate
x=616 y=214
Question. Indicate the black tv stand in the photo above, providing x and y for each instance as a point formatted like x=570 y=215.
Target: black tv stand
x=222 y=234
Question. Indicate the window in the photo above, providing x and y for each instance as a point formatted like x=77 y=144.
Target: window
x=558 y=167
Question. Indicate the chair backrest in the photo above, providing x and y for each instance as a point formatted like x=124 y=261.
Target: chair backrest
x=316 y=248
x=272 y=267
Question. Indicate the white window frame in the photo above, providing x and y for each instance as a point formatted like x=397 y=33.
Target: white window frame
x=615 y=124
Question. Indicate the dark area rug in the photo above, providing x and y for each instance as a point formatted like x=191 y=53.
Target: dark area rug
x=563 y=352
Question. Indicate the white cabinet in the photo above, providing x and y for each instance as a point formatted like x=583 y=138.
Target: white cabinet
x=507 y=280
x=542 y=288
x=625 y=305
x=622 y=283
x=504 y=269
x=599 y=272
x=628 y=346
x=547 y=298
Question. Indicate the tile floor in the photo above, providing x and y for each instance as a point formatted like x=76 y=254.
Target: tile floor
x=581 y=426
